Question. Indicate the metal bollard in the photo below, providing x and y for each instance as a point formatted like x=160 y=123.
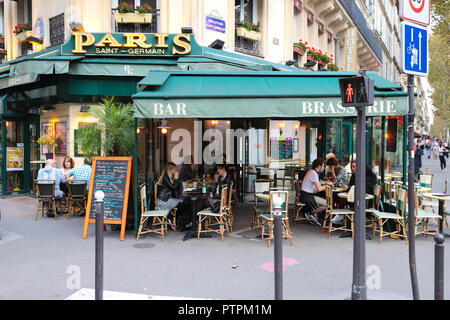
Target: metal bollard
x=439 y=267
x=278 y=249
x=99 y=195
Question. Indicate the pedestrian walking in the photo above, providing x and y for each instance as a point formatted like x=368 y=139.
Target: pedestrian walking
x=442 y=150
x=418 y=153
x=434 y=149
x=428 y=148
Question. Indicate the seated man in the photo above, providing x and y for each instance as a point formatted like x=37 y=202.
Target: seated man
x=49 y=172
x=371 y=178
x=223 y=180
x=83 y=172
x=311 y=185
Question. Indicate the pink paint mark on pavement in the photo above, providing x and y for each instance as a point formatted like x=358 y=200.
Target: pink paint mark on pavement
x=287 y=262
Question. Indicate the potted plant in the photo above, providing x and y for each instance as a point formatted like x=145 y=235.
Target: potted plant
x=49 y=142
x=126 y=13
x=332 y=67
x=312 y=54
x=300 y=47
x=249 y=31
x=323 y=58
x=116 y=124
x=22 y=31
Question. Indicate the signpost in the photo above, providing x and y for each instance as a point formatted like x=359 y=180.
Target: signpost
x=414 y=49
x=417 y=11
x=414 y=62
x=358 y=92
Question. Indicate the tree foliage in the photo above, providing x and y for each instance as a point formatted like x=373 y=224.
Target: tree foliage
x=439 y=65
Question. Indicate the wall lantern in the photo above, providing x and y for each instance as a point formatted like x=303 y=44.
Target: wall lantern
x=297 y=126
x=281 y=126
x=164 y=127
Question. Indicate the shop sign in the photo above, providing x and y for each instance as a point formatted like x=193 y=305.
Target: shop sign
x=131 y=44
x=18 y=80
x=215 y=24
x=350 y=53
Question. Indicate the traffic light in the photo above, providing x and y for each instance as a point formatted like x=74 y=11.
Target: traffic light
x=356 y=91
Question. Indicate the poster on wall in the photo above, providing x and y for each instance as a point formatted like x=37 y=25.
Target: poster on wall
x=61 y=138
x=14 y=159
x=47 y=130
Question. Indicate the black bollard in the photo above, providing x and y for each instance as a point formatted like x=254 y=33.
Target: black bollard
x=439 y=267
x=278 y=249
x=99 y=195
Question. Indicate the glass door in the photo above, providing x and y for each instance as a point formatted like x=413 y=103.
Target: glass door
x=35 y=153
x=347 y=145
x=15 y=156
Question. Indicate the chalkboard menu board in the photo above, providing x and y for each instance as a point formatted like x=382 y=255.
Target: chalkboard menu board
x=112 y=176
x=280 y=148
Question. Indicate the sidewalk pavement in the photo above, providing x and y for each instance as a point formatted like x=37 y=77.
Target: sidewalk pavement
x=48 y=259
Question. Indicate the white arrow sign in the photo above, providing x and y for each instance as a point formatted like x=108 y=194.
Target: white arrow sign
x=420 y=50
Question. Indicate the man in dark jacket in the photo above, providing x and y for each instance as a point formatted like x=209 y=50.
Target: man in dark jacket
x=223 y=180
x=418 y=153
x=371 y=178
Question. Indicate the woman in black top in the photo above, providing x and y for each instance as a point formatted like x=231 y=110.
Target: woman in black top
x=168 y=184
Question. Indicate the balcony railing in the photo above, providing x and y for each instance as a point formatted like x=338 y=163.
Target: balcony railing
x=152 y=27
x=245 y=45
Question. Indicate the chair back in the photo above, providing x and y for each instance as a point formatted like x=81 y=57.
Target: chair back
x=377 y=196
x=143 y=193
x=376 y=170
x=223 y=200
x=329 y=198
x=46 y=188
x=230 y=195
x=445 y=185
x=261 y=185
x=284 y=195
x=77 y=188
x=401 y=201
x=426 y=180
x=351 y=195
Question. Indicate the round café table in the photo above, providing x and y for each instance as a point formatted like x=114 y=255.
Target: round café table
x=344 y=195
x=441 y=198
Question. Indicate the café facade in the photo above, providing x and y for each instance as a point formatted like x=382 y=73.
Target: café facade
x=287 y=115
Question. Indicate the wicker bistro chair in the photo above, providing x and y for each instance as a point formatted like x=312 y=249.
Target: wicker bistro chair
x=423 y=217
x=77 y=193
x=298 y=205
x=46 y=194
x=159 y=217
x=331 y=212
x=267 y=218
x=221 y=218
x=434 y=205
x=381 y=217
x=261 y=189
x=229 y=208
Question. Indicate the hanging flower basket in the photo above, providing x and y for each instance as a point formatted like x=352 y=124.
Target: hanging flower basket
x=299 y=50
x=142 y=18
x=248 y=34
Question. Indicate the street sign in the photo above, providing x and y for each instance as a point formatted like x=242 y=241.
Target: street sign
x=417 y=11
x=356 y=91
x=414 y=49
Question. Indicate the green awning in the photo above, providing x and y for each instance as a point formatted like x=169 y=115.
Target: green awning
x=256 y=94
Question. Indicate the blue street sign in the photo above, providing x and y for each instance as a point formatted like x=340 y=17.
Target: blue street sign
x=414 y=49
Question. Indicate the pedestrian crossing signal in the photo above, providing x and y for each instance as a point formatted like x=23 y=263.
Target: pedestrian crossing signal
x=356 y=91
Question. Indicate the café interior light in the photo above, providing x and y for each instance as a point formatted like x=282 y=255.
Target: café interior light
x=281 y=126
x=297 y=126
x=164 y=127
x=214 y=123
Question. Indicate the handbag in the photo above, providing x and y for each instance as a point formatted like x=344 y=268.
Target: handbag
x=163 y=194
x=216 y=207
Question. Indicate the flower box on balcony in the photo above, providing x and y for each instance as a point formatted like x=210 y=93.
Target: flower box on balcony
x=22 y=37
x=299 y=50
x=142 y=18
x=248 y=34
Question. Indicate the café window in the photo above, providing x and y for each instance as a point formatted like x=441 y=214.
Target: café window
x=246 y=10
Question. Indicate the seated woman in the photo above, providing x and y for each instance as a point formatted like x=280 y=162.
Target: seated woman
x=337 y=173
x=168 y=185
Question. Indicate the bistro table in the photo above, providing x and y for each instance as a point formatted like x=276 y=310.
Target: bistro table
x=344 y=195
x=194 y=196
x=441 y=198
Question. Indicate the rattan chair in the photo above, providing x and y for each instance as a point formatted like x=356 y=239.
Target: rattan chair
x=220 y=219
x=261 y=189
x=331 y=212
x=46 y=194
x=158 y=223
x=77 y=194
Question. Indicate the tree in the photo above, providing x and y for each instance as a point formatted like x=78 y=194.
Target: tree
x=115 y=121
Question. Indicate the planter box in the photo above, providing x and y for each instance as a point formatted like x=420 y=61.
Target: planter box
x=299 y=50
x=142 y=18
x=322 y=63
x=22 y=37
x=248 y=34
x=309 y=57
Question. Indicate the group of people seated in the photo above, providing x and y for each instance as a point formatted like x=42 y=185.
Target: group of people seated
x=169 y=186
x=312 y=191
x=67 y=172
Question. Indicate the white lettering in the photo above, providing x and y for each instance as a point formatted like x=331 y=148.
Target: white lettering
x=181 y=109
x=307 y=107
x=318 y=106
x=158 y=107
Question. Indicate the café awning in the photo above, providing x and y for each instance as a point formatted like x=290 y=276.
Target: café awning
x=256 y=94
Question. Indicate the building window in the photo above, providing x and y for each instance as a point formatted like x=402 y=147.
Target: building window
x=246 y=10
x=56 y=29
x=152 y=27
